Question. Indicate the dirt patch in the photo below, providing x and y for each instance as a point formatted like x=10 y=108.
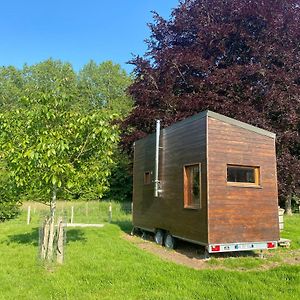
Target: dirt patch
x=192 y=256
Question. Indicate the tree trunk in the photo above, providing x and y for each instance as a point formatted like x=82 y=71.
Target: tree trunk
x=52 y=227
x=288 y=205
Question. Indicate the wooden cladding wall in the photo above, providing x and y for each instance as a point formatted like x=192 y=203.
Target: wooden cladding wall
x=144 y=160
x=238 y=213
x=182 y=144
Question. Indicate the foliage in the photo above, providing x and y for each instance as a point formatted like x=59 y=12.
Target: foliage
x=292 y=230
x=101 y=264
x=9 y=205
x=239 y=58
x=53 y=143
x=296 y=203
x=120 y=180
x=105 y=85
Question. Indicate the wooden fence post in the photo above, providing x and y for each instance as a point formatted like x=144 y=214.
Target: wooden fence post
x=28 y=215
x=72 y=214
x=110 y=213
x=60 y=242
x=44 y=238
x=51 y=239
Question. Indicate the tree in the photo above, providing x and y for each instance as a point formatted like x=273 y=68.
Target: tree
x=10 y=86
x=240 y=58
x=52 y=144
x=10 y=90
x=120 y=180
x=9 y=203
x=105 y=85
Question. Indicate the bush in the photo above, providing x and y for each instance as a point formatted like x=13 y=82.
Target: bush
x=296 y=203
x=8 y=209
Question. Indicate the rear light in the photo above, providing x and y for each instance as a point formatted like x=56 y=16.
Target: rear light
x=216 y=248
x=271 y=245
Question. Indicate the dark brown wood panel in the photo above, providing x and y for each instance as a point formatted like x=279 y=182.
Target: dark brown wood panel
x=182 y=144
x=235 y=213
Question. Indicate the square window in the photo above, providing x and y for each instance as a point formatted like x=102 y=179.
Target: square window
x=243 y=175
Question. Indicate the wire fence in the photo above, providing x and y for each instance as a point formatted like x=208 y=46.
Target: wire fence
x=85 y=212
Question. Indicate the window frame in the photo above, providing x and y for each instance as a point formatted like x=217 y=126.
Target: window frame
x=257 y=176
x=186 y=204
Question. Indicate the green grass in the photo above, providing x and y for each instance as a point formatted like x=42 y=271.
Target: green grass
x=100 y=264
x=292 y=230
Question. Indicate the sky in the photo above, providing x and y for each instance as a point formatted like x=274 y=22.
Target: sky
x=76 y=31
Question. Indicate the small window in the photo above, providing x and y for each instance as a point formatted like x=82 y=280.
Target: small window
x=147 y=177
x=192 y=186
x=243 y=175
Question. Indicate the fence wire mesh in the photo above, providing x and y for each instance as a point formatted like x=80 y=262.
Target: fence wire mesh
x=88 y=212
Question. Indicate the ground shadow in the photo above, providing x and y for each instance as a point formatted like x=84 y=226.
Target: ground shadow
x=32 y=238
x=29 y=238
x=75 y=235
x=194 y=251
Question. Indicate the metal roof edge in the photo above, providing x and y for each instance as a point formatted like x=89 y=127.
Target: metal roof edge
x=235 y=122
x=219 y=117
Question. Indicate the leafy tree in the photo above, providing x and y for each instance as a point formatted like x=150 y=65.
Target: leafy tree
x=105 y=86
x=9 y=204
x=120 y=180
x=10 y=90
x=238 y=57
x=11 y=83
x=52 y=145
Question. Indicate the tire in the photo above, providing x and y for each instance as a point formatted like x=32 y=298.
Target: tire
x=170 y=242
x=159 y=237
x=133 y=231
x=206 y=254
x=144 y=235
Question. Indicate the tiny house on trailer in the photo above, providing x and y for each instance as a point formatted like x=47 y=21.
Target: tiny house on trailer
x=210 y=180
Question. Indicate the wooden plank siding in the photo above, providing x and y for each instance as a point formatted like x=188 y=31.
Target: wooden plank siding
x=237 y=213
x=228 y=213
x=182 y=144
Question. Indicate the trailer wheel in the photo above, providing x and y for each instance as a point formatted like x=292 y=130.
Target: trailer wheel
x=133 y=231
x=144 y=235
x=170 y=242
x=206 y=254
x=159 y=237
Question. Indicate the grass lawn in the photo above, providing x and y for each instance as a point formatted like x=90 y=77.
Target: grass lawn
x=100 y=264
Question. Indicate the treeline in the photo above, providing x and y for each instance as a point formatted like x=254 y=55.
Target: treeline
x=60 y=134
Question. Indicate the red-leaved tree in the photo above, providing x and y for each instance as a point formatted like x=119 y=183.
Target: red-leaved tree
x=240 y=58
